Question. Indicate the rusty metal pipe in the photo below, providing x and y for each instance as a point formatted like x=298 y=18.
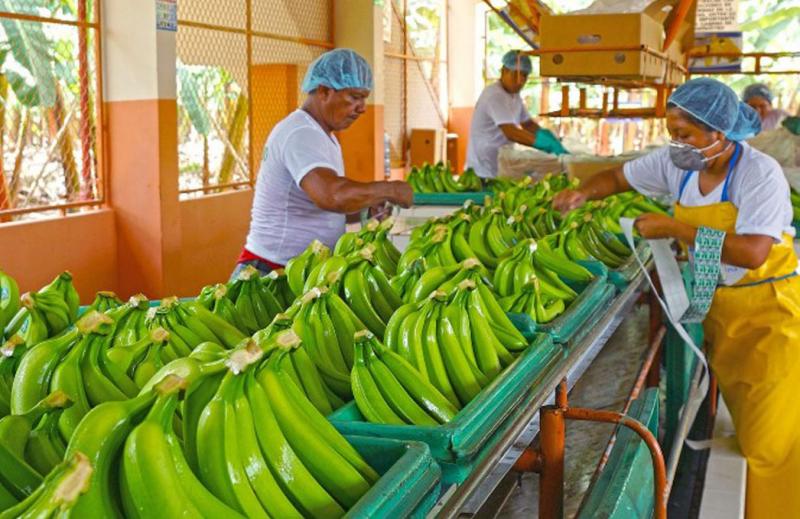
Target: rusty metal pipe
x=593 y=415
x=551 y=482
x=675 y=24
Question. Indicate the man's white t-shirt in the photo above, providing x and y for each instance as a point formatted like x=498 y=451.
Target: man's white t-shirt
x=757 y=187
x=495 y=107
x=284 y=220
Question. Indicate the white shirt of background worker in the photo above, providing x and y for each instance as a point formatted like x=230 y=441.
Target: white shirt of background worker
x=759 y=97
x=301 y=192
x=500 y=118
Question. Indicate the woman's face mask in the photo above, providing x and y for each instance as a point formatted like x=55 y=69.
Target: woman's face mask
x=691 y=158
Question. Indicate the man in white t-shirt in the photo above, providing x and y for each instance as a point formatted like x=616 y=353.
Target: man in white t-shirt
x=301 y=192
x=501 y=117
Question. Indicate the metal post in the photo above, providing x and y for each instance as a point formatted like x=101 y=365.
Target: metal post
x=660 y=480
x=656 y=323
x=551 y=481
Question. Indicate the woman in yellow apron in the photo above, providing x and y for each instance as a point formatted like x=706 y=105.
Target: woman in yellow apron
x=753 y=326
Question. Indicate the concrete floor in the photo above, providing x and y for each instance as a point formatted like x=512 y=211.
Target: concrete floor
x=605 y=385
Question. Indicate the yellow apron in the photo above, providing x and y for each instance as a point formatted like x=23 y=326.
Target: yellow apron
x=753 y=332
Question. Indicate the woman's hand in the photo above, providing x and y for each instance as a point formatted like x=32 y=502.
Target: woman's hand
x=568 y=199
x=654 y=226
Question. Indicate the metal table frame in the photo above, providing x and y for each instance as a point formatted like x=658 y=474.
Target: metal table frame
x=472 y=494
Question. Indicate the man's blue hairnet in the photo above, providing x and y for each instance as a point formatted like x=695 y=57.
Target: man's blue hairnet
x=757 y=90
x=718 y=106
x=515 y=60
x=338 y=69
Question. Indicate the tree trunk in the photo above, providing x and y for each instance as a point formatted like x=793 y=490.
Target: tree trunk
x=5 y=203
x=206 y=173
x=237 y=123
x=22 y=137
x=72 y=179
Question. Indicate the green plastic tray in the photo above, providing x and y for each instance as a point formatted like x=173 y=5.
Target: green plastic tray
x=410 y=479
x=622 y=276
x=571 y=325
x=450 y=198
x=464 y=437
x=624 y=490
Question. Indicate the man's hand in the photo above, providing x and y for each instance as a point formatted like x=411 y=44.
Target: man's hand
x=568 y=199
x=654 y=226
x=402 y=194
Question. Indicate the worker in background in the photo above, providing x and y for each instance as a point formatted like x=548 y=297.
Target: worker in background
x=759 y=96
x=501 y=118
x=752 y=330
x=301 y=192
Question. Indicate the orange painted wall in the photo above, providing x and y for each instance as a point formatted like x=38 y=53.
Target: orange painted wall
x=213 y=230
x=362 y=146
x=274 y=97
x=460 y=120
x=35 y=252
x=144 y=194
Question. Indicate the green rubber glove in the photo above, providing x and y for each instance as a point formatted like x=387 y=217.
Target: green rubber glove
x=548 y=142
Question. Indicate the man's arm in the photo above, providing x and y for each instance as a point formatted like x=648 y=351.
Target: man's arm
x=341 y=195
x=530 y=125
x=518 y=134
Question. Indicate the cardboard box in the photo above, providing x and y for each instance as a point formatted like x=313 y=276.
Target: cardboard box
x=428 y=146
x=570 y=33
x=452 y=151
x=586 y=170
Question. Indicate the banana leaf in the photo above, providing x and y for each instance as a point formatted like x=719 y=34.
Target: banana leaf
x=31 y=49
x=188 y=87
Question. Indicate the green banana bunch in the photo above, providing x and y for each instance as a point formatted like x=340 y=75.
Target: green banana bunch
x=223 y=307
x=155 y=475
x=190 y=324
x=445 y=278
x=277 y=283
x=105 y=301
x=11 y=354
x=404 y=282
x=793 y=196
x=57 y=494
x=491 y=238
x=17 y=477
x=32 y=379
x=325 y=324
x=329 y=458
x=470 y=180
x=397 y=394
x=9 y=299
x=602 y=245
x=532 y=301
x=29 y=322
x=349 y=242
x=130 y=321
x=530 y=258
x=254 y=303
x=300 y=267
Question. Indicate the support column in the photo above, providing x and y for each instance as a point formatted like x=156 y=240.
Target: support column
x=359 y=26
x=464 y=77
x=141 y=111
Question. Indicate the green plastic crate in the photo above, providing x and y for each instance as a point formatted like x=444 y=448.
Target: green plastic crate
x=622 y=276
x=410 y=479
x=796 y=225
x=624 y=490
x=467 y=434
x=454 y=199
x=571 y=325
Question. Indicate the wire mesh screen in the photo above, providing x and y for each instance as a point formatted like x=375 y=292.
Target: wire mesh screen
x=415 y=71
x=240 y=67
x=49 y=110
